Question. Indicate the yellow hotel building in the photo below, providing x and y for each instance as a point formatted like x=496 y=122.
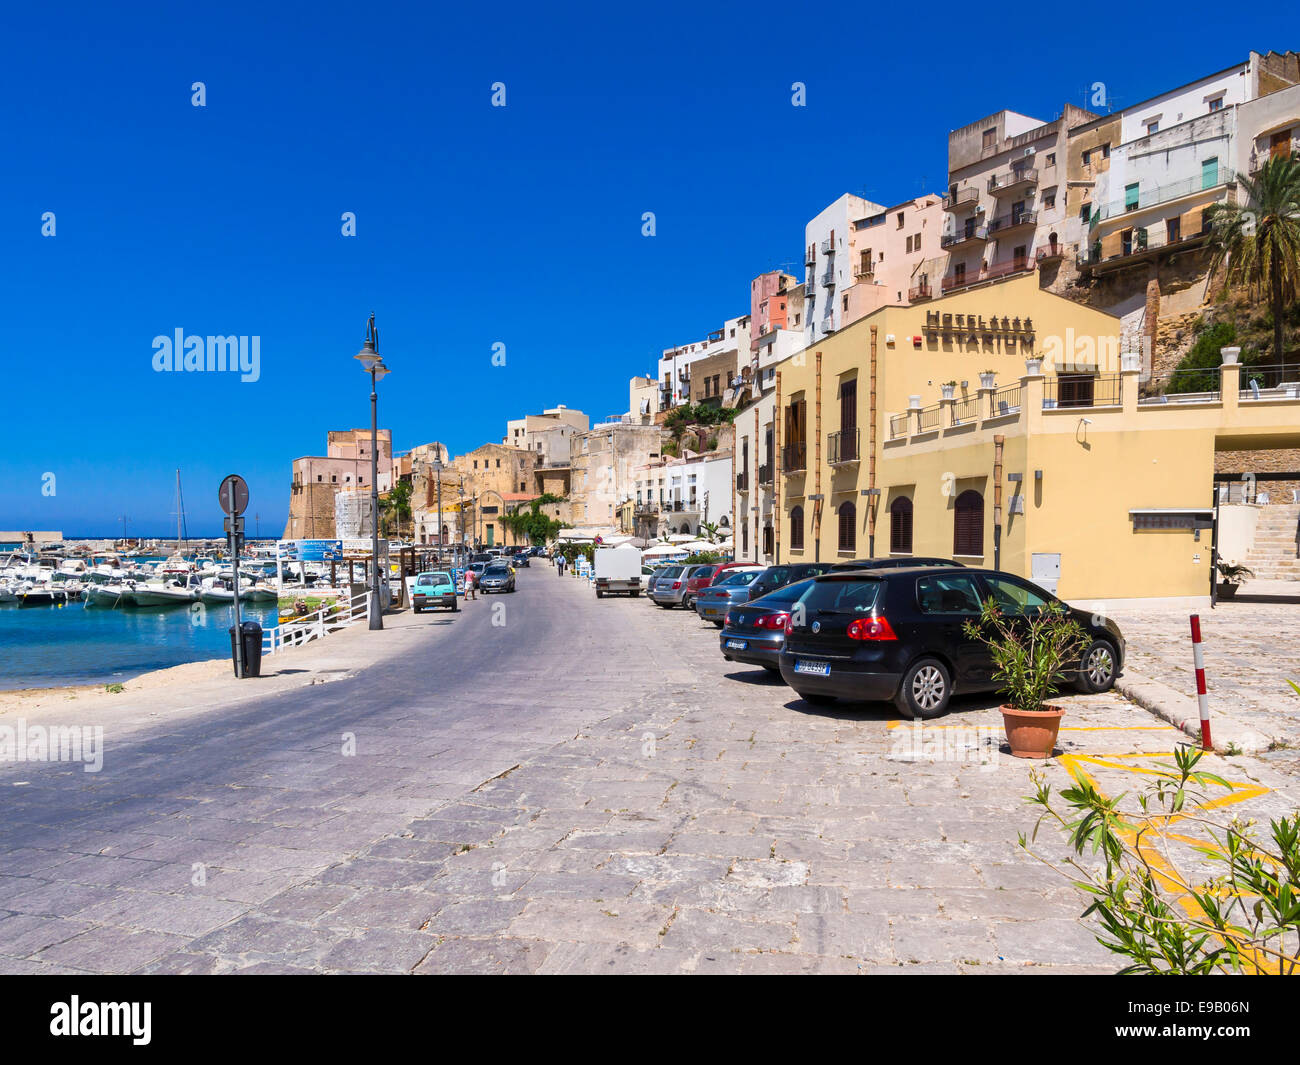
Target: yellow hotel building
x=1073 y=473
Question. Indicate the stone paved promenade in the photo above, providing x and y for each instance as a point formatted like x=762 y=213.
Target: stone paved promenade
x=583 y=786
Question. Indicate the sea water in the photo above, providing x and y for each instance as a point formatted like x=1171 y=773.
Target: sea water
x=46 y=646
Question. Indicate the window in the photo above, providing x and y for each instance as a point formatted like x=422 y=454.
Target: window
x=900 y=219
x=948 y=593
x=1216 y=104
x=1076 y=389
x=796 y=528
x=990 y=139
x=744 y=538
x=1051 y=159
x=1015 y=598
x=1173 y=230
x=900 y=525
x=1131 y=197
x=968 y=524
x=848 y=515
x=1049 y=200
x=1153 y=126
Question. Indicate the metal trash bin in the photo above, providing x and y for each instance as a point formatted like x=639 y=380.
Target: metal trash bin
x=251 y=646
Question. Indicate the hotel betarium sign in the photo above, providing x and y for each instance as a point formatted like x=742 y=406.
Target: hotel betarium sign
x=978 y=330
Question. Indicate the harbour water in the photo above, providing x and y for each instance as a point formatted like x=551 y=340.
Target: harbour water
x=43 y=647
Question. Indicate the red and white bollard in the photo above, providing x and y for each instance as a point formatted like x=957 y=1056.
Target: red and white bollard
x=1202 y=697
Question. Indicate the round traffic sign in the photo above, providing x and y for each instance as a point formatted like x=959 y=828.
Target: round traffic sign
x=233 y=495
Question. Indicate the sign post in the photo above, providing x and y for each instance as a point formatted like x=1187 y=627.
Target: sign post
x=233 y=496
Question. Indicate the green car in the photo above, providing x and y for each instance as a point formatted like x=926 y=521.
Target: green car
x=435 y=588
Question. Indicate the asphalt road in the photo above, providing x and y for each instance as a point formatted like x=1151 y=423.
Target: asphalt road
x=198 y=841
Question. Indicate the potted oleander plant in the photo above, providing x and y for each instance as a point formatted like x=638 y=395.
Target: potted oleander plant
x=1030 y=652
x=1232 y=575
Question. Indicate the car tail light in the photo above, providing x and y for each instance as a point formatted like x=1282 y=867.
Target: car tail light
x=772 y=621
x=727 y=619
x=677 y=584
x=877 y=628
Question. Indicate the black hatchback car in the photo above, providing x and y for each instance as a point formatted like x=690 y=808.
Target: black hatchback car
x=898 y=635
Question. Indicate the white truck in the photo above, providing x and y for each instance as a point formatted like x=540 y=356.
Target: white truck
x=618 y=570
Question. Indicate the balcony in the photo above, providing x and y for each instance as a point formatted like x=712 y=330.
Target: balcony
x=1009 y=182
x=1139 y=247
x=842 y=447
x=646 y=510
x=919 y=293
x=794 y=457
x=989 y=272
x=966 y=235
x=1081 y=390
x=1208 y=181
x=742 y=481
x=861 y=272
x=765 y=473
x=963 y=200
x=1050 y=254
x=828 y=279
x=1009 y=223
x=810 y=257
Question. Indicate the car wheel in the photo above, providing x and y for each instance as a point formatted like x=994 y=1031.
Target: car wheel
x=600 y=594
x=718 y=624
x=925 y=690
x=817 y=699
x=455 y=607
x=418 y=609
x=1097 y=668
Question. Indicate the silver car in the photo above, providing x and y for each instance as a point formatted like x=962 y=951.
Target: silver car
x=670 y=589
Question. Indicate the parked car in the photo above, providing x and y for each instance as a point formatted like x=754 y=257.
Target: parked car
x=670 y=590
x=698 y=579
x=647 y=575
x=522 y=559
x=714 y=601
x=663 y=573
x=725 y=568
x=482 y=556
x=894 y=563
x=435 y=588
x=754 y=632
x=779 y=576
x=898 y=635
x=497 y=577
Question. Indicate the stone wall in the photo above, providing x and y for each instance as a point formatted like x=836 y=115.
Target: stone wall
x=1276 y=461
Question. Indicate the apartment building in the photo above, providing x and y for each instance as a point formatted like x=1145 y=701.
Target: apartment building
x=1145 y=190
x=678 y=496
x=770 y=305
x=698 y=372
x=891 y=254
x=317 y=479
x=1005 y=210
x=604 y=462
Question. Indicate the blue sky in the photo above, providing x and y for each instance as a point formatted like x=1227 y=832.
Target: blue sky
x=475 y=225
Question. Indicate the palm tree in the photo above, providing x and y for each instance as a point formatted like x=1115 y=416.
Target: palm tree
x=1258 y=244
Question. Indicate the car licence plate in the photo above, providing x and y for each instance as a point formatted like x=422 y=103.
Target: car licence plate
x=738 y=645
x=820 y=669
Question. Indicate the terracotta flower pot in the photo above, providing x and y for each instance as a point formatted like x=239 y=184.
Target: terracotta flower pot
x=1032 y=733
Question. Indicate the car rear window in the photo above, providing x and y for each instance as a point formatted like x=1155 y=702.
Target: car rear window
x=741 y=578
x=785 y=595
x=672 y=571
x=842 y=597
x=498 y=570
x=436 y=578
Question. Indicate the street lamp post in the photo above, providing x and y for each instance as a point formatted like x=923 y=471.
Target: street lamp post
x=437 y=469
x=373 y=364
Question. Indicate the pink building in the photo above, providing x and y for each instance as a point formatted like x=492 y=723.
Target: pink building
x=893 y=255
x=769 y=304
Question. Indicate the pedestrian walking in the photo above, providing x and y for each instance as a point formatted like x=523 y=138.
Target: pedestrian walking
x=471 y=590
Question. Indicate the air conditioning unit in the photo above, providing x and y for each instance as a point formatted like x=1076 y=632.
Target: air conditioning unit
x=1030 y=151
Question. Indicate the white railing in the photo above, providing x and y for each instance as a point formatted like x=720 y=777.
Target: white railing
x=340 y=614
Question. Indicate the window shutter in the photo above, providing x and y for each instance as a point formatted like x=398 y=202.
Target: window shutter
x=968 y=524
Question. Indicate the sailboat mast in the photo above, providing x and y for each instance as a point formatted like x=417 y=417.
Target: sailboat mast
x=178 y=510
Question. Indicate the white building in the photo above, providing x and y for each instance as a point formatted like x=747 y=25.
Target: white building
x=829 y=264
x=686 y=372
